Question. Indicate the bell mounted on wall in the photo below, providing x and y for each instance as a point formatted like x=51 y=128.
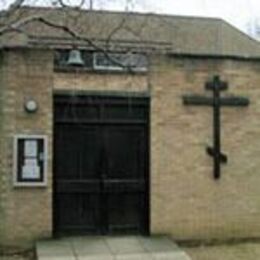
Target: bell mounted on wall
x=75 y=58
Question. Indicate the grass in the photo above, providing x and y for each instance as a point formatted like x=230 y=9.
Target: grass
x=16 y=254
x=241 y=251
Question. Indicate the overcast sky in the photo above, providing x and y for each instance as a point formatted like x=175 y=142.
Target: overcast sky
x=237 y=12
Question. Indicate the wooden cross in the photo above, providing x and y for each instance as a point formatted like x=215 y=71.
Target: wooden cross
x=216 y=86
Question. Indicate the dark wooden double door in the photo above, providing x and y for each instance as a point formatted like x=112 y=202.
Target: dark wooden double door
x=101 y=165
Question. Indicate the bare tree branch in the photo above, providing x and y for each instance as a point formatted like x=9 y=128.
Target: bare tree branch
x=17 y=21
x=115 y=30
x=17 y=27
x=77 y=6
x=14 y=6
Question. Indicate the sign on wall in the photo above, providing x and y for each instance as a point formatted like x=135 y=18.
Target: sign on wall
x=30 y=160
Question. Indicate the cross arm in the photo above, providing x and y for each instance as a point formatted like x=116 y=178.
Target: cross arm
x=198 y=100
x=211 y=151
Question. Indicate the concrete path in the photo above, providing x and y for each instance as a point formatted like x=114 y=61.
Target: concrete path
x=110 y=248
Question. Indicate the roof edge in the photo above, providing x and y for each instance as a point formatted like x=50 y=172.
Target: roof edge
x=137 y=13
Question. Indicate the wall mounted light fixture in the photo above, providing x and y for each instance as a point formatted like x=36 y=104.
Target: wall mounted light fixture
x=30 y=106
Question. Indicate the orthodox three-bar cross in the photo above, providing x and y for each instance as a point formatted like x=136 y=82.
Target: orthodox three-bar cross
x=216 y=86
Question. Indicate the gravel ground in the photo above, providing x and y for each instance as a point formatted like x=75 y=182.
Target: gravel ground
x=16 y=257
x=243 y=251
x=7 y=254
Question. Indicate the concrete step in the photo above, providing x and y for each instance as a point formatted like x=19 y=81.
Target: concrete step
x=110 y=248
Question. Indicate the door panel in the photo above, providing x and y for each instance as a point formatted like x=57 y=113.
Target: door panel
x=124 y=181
x=124 y=152
x=77 y=152
x=78 y=184
x=125 y=212
x=80 y=213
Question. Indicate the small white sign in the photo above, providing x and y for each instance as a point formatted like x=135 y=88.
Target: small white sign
x=30 y=170
x=30 y=148
x=31 y=162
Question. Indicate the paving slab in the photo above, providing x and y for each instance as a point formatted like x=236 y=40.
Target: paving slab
x=158 y=244
x=170 y=256
x=95 y=257
x=55 y=248
x=56 y=258
x=139 y=256
x=90 y=246
x=110 y=248
x=124 y=245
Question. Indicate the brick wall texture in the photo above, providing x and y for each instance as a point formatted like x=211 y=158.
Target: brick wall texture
x=186 y=202
x=27 y=211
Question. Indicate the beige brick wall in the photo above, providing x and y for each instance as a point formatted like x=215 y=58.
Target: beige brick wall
x=27 y=210
x=80 y=81
x=186 y=201
x=2 y=216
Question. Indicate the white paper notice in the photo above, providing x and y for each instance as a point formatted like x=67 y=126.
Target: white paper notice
x=30 y=148
x=30 y=170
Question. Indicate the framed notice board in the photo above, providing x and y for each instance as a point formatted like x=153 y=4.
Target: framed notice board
x=30 y=160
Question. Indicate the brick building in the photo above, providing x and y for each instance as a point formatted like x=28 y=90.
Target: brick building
x=103 y=148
